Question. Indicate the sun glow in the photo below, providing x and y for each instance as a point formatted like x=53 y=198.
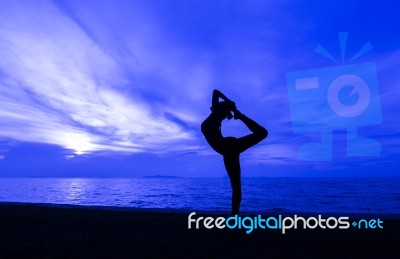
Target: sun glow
x=80 y=143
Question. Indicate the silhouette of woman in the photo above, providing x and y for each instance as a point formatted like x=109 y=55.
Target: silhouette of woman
x=230 y=147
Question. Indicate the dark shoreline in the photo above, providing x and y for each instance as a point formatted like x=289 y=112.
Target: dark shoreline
x=204 y=212
x=48 y=230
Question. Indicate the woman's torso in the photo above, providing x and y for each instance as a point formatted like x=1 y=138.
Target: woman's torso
x=211 y=129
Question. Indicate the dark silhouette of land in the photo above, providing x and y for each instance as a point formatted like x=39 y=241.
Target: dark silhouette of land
x=38 y=231
x=230 y=147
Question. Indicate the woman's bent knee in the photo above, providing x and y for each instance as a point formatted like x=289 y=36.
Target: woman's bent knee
x=263 y=133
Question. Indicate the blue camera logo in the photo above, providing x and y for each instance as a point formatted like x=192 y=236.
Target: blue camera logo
x=343 y=96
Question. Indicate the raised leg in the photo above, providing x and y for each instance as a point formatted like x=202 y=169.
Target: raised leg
x=259 y=132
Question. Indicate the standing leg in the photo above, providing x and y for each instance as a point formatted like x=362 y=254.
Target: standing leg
x=232 y=166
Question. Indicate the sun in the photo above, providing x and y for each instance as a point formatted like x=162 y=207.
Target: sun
x=79 y=143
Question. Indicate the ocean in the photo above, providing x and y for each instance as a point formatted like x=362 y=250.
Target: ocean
x=274 y=195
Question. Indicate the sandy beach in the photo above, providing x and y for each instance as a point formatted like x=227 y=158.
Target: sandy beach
x=38 y=230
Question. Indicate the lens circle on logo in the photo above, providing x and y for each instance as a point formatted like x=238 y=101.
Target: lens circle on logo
x=360 y=87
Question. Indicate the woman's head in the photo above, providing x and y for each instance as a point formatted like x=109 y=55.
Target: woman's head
x=224 y=109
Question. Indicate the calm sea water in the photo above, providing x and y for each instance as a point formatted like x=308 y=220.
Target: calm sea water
x=333 y=195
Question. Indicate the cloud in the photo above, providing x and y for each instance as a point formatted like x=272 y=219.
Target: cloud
x=82 y=80
x=5 y=146
x=272 y=154
x=58 y=86
x=123 y=77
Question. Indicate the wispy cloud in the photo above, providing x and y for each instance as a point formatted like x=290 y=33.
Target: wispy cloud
x=83 y=81
x=123 y=77
x=58 y=86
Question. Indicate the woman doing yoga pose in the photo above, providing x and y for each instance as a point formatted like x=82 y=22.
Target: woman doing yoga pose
x=230 y=147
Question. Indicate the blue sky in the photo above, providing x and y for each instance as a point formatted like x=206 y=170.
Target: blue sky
x=120 y=88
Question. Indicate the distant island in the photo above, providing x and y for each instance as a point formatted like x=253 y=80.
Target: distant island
x=162 y=176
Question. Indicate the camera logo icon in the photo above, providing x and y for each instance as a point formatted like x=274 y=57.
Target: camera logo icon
x=343 y=96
